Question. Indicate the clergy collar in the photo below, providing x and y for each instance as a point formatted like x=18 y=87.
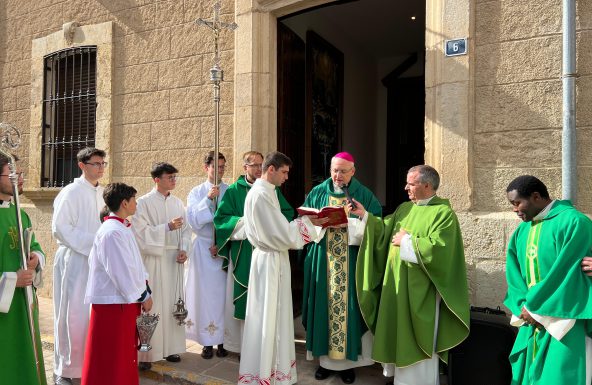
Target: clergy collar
x=544 y=212
x=425 y=202
x=247 y=181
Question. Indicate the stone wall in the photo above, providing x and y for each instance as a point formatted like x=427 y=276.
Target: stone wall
x=518 y=123
x=518 y=98
x=162 y=105
x=490 y=115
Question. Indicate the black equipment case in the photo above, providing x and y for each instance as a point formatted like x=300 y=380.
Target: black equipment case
x=482 y=359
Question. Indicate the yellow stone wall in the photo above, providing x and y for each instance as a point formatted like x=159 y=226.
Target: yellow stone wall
x=490 y=115
x=161 y=100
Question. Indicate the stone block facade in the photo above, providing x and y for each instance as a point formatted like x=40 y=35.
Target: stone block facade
x=490 y=115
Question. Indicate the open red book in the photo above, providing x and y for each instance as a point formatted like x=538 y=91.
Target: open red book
x=336 y=214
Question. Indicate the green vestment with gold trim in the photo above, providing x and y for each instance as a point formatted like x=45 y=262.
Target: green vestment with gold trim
x=230 y=210
x=330 y=310
x=544 y=275
x=16 y=347
x=398 y=298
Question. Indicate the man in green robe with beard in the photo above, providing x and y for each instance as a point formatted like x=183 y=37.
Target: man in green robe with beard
x=16 y=346
x=412 y=282
x=549 y=297
x=233 y=245
x=330 y=312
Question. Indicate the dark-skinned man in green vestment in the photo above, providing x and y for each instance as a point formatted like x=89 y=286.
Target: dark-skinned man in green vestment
x=549 y=296
x=335 y=330
x=16 y=346
x=412 y=282
x=233 y=245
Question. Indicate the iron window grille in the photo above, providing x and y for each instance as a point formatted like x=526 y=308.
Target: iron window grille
x=69 y=112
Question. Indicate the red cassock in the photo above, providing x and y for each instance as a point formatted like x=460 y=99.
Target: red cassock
x=111 y=345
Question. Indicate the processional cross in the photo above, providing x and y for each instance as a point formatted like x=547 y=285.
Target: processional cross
x=216 y=75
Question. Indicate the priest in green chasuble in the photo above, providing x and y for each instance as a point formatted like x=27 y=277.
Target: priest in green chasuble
x=335 y=330
x=549 y=296
x=235 y=248
x=412 y=283
x=16 y=346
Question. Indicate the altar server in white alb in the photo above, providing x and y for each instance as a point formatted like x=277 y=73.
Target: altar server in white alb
x=74 y=225
x=164 y=239
x=206 y=282
x=268 y=341
x=117 y=287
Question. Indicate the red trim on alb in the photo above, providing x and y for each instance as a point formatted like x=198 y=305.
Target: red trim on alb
x=124 y=221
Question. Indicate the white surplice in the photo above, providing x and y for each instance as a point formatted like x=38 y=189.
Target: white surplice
x=74 y=224
x=116 y=270
x=159 y=247
x=269 y=325
x=206 y=281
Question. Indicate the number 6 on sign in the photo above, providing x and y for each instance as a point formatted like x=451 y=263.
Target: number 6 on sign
x=455 y=47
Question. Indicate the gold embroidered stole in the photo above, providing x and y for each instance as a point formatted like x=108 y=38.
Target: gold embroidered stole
x=533 y=274
x=337 y=284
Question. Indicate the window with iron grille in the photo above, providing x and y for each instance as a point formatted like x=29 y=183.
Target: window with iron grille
x=69 y=112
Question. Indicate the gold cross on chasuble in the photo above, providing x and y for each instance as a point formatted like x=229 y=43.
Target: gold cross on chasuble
x=337 y=284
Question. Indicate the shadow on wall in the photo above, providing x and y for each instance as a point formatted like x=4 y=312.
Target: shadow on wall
x=487 y=284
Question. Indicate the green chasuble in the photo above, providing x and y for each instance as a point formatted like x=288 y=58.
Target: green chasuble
x=544 y=275
x=230 y=210
x=16 y=348
x=330 y=310
x=398 y=298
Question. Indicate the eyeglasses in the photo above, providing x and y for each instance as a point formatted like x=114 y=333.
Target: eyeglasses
x=255 y=165
x=97 y=164
x=341 y=172
x=20 y=175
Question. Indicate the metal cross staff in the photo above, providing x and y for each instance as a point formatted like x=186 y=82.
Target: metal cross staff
x=216 y=76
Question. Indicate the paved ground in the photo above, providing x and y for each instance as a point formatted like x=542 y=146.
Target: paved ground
x=194 y=370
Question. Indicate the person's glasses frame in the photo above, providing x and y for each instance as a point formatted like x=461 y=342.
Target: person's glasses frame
x=97 y=164
x=340 y=171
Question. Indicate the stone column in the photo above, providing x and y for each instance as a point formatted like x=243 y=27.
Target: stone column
x=449 y=116
x=255 y=73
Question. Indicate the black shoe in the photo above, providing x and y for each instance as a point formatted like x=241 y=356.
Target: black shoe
x=144 y=366
x=348 y=376
x=390 y=383
x=173 y=358
x=207 y=352
x=59 y=380
x=221 y=352
x=322 y=373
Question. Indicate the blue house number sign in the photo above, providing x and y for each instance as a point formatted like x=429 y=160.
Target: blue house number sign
x=455 y=47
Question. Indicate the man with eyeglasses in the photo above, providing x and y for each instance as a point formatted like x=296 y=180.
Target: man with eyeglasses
x=164 y=239
x=335 y=330
x=235 y=248
x=17 y=354
x=206 y=281
x=75 y=221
